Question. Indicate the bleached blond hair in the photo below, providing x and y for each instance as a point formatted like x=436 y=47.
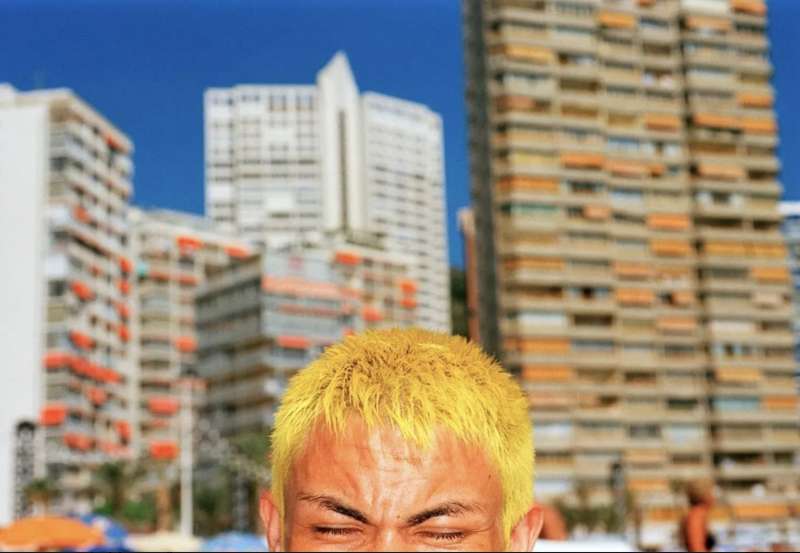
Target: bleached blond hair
x=415 y=381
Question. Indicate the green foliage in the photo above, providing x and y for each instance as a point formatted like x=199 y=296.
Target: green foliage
x=140 y=513
x=42 y=492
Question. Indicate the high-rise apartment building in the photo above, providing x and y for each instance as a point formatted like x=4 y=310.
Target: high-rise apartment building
x=291 y=162
x=64 y=291
x=632 y=270
x=172 y=252
x=262 y=319
x=791 y=233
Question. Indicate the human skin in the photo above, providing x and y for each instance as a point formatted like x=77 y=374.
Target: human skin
x=371 y=490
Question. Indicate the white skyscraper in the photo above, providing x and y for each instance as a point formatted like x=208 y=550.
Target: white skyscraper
x=289 y=162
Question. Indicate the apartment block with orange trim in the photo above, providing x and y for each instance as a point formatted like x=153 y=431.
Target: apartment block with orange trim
x=631 y=267
x=172 y=253
x=64 y=292
x=264 y=318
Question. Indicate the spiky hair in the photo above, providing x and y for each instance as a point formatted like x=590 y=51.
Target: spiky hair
x=415 y=381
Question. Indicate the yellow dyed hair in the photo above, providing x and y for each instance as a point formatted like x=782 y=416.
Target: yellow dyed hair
x=415 y=381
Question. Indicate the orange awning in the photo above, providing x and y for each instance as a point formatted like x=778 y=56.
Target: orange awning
x=547 y=373
x=408 y=303
x=582 y=160
x=81 y=340
x=186 y=344
x=532 y=184
x=759 y=126
x=676 y=324
x=648 y=485
x=725 y=248
x=164 y=450
x=81 y=214
x=760 y=511
x=81 y=290
x=408 y=286
x=617 y=20
x=74 y=440
x=668 y=221
x=189 y=242
x=754 y=100
x=661 y=121
x=97 y=396
x=722 y=172
x=163 y=405
x=50 y=534
x=753 y=7
x=770 y=274
x=737 y=375
x=780 y=403
x=676 y=248
x=124 y=287
x=293 y=342
x=55 y=359
x=683 y=297
x=53 y=414
x=123 y=428
x=296 y=286
x=237 y=251
x=347 y=258
x=715 y=121
x=626 y=168
x=635 y=296
x=125 y=264
x=371 y=314
x=123 y=333
x=537 y=54
x=540 y=345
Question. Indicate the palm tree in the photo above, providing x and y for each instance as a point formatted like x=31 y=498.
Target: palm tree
x=114 y=482
x=41 y=493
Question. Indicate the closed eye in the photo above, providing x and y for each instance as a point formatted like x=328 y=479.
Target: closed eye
x=333 y=531
x=443 y=536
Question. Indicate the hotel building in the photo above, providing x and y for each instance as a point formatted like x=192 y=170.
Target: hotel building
x=632 y=271
x=65 y=288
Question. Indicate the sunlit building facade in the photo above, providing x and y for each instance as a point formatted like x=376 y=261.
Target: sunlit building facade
x=65 y=285
x=172 y=252
x=632 y=270
x=288 y=163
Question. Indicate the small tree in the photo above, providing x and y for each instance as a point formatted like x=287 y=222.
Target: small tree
x=41 y=492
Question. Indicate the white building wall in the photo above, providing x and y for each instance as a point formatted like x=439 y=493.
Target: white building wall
x=341 y=147
x=277 y=172
x=23 y=177
x=404 y=163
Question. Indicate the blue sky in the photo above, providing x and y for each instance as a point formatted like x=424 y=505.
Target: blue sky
x=145 y=64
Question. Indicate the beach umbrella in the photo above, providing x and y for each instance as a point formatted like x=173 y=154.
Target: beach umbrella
x=114 y=531
x=235 y=541
x=49 y=533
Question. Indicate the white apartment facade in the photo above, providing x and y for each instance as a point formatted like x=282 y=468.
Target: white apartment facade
x=64 y=288
x=287 y=163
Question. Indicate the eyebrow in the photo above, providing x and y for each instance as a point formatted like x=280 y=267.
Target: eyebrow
x=451 y=508
x=333 y=504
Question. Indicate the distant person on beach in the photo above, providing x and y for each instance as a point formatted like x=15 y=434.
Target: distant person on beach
x=695 y=528
x=402 y=440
